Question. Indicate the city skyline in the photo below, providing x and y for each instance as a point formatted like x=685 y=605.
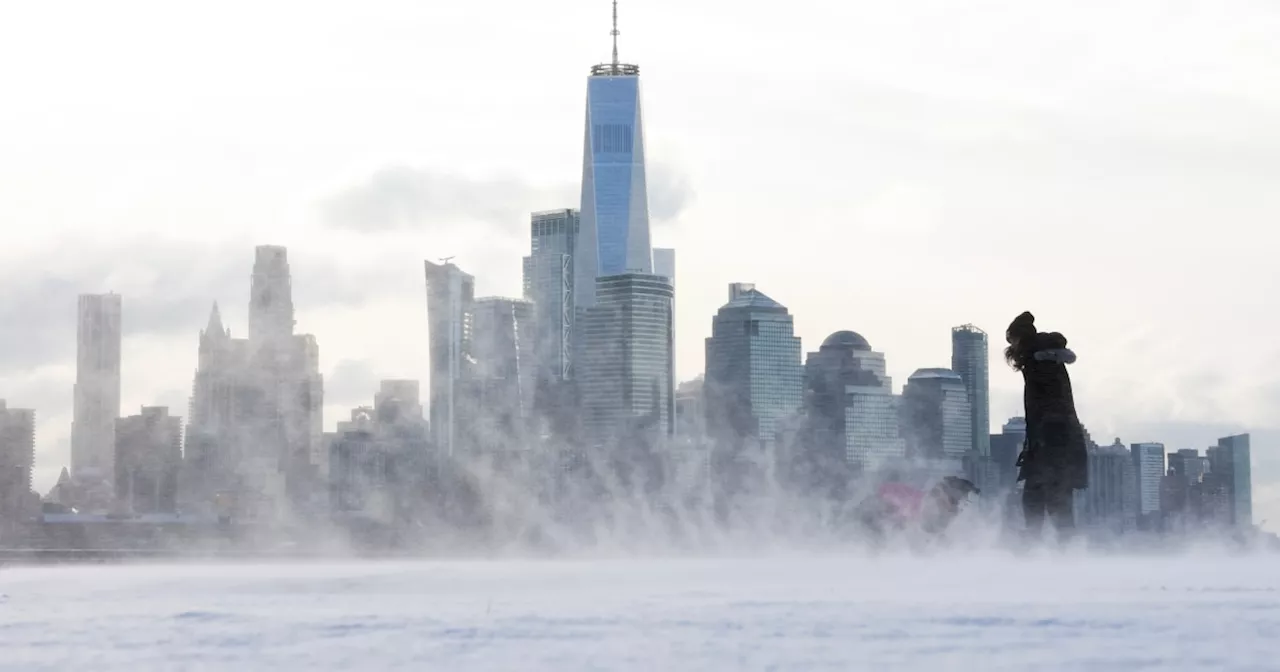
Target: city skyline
x=1126 y=384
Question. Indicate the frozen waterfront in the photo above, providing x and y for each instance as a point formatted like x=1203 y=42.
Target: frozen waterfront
x=991 y=612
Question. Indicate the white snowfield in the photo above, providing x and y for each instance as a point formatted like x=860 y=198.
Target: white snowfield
x=971 y=612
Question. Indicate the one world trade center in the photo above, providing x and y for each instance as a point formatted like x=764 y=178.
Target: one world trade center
x=614 y=230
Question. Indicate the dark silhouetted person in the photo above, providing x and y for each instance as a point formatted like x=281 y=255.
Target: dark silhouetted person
x=1054 y=462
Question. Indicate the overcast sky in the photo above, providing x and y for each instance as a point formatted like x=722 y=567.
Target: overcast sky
x=892 y=168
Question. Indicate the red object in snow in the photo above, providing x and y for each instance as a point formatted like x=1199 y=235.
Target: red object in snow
x=905 y=500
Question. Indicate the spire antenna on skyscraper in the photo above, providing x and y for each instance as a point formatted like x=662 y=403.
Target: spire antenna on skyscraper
x=614 y=33
x=615 y=67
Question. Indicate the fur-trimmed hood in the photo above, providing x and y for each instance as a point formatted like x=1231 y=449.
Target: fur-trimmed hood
x=1052 y=347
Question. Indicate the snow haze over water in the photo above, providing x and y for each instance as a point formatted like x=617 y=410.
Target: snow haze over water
x=972 y=612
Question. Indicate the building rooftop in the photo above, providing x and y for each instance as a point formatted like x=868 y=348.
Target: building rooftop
x=615 y=70
x=850 y=340
x=500 y=299
x=929 y=374
x=753 y=298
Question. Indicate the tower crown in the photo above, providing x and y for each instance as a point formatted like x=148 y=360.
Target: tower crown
x=614 y=68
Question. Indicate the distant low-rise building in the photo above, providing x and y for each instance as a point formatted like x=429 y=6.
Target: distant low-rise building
x=148 y=459
x=17 y=456
x=1110 y=503
x=379 y=458
x=691 y=414
x=1005 y=448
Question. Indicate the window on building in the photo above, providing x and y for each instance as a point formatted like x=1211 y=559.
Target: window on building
x=612 y=138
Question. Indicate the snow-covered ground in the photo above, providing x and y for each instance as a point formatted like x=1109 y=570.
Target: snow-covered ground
x=975 y=612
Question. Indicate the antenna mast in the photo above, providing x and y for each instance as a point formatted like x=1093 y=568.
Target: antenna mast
x=615 y=68
x=614 y=33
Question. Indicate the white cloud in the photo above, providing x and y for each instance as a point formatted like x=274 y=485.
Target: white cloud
x=398 y=198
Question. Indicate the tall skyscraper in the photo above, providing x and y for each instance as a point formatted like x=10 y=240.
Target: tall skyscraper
x=614 y=237
x=97 y=388
x=626 y=371
x=256 y=425
x=969 y=358
x=1231 y=464
x=286 y=367
x=548 y=282
x=271 y=295
x=503 y=337
x=226 y=420
x=554 y=232
x=754 y=377
x=664 y=264
x=936 y=415
x=450 y=311
x=1188 y=464
x=1148 y=459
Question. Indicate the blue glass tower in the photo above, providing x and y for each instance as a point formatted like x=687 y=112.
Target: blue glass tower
x=614 y=233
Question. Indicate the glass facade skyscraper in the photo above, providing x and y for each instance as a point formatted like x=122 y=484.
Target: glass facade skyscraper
x=1188 y=464
x=450 y=313
x=626 y=371
x=664 y=264
x=614 y=236
x=1148 y=459
x=935 y=415
x=97 y=388
x=1231 y=462
x=623 y=360
x=970 y=359
x=549 y=284
x=754 y=377
x=872 y=436
x=553 y=232
x=502 y=345
x=851 y=409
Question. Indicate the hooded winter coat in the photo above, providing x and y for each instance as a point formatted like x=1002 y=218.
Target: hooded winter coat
x=1054 y=452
